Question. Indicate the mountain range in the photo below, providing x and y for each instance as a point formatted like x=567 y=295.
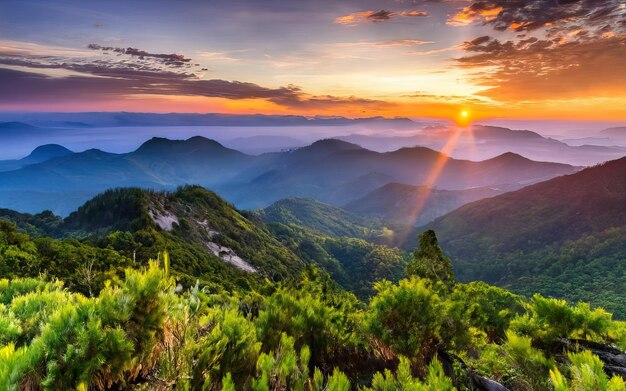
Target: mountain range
x=563 y=237
x=125 y=119
x=331 y=171
x=256 y=134
x=211 y=241
x=480 y=142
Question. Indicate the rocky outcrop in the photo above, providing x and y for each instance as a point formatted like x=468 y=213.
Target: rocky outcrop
x=614 y=358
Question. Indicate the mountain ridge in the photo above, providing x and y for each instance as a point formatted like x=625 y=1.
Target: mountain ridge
x=326 y=170
x=547 y=237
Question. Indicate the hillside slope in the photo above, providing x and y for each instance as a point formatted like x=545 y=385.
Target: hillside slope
x=356 y=252
x=323 y=218
x=565 y=236
x=207 y=238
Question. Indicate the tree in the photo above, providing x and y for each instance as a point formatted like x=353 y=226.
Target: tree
x=430 y=262
x=407 y=317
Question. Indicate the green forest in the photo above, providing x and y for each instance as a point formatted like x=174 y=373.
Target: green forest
x=108 y=322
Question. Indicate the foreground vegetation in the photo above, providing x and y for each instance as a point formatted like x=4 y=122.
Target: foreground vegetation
x=146 y=331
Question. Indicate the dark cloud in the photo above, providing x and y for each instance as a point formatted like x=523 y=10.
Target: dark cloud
x=529 y=15
x=375 y=16
x=167 y=59
x=380 y=16
x=102 y=80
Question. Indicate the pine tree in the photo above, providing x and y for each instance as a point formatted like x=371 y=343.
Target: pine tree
x=430 y=262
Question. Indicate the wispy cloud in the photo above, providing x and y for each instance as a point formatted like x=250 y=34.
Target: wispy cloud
x=384 y=44
x=436 y=51
x=218 y=56
x=25 y=77
x=20 y=48
x=375 y=16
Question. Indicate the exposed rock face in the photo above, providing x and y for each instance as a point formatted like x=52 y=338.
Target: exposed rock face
x=165 y=219
x=614 y=358
x=209 y=231
x=476 y=381
x=485 y=384
x=228 y=255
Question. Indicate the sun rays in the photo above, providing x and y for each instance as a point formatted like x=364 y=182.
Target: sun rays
x=439 y=165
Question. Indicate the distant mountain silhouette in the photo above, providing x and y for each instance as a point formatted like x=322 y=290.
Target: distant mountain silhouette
x=323 y=170
x=16 y=125
x=480 y=142
x=107 y=119
x=617 y=132
x=256 y=145
x=46 y=152
x=38 y=155
x=331 y=171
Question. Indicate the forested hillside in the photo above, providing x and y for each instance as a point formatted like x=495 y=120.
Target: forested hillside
x=207 y=238
x=300 y=296
x=355 y=251
x=563 y=237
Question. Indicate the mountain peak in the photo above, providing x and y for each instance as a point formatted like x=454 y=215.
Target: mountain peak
x=333 y=144
x=46 y=152
x=162 y=144
x=509 y=157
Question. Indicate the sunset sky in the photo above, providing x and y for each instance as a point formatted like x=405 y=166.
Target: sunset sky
x=522 y=59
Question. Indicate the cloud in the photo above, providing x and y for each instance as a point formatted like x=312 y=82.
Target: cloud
x=413 y=13
x=529 y=15
x=168 y=59
x=20 y=48
x=34 y=79
x=436 y=51
x=383 y=44
x=375 y=16
x=564 y=49
x=474 y=12
x=533 y=68
x=218 y=56
x=454 y=99
x=403 y=42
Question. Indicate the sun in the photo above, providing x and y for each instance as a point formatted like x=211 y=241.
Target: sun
x=463 y=118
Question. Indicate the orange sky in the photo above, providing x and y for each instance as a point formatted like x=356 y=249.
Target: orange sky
x=354 y=58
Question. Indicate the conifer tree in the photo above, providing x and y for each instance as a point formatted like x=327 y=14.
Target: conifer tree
x=430 y=262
